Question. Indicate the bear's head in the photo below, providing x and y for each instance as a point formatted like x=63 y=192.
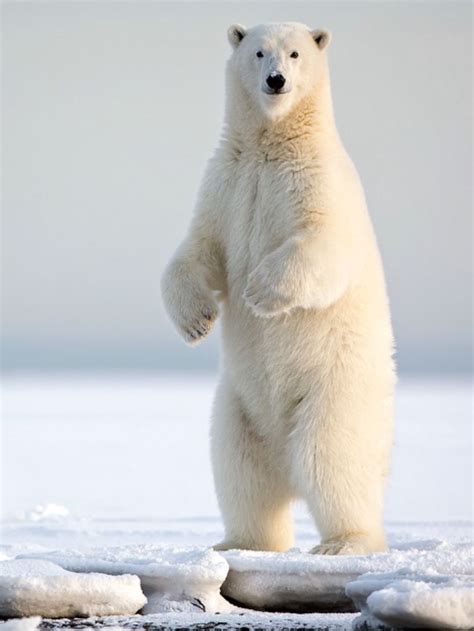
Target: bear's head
x=277 y=65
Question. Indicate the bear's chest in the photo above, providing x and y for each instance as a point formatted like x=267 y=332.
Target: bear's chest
x=260 y=212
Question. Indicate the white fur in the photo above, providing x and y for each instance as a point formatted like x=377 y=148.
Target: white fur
x=282 y=239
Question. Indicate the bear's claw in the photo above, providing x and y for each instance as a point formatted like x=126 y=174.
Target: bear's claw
x=196 y=329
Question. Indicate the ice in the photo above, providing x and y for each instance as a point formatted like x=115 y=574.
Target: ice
x=411 y=600
x=21 y=624
x=296 y=581
x=32 y=587
x=178 y=579
x=173 y=579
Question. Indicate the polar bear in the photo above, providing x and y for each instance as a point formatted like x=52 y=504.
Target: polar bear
x=281 y=245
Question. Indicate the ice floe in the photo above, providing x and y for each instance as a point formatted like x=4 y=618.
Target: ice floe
x=296 y=581
x=410 y=600
x=173 y=579
x=32 y=587
x=405 y=581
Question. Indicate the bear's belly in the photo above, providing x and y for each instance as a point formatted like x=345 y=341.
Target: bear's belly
x=274 y=363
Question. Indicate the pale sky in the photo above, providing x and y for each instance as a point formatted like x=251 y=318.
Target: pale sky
x=110 y=111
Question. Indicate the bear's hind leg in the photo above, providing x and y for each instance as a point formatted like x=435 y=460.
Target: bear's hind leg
x=253 y=496
x=340 y=449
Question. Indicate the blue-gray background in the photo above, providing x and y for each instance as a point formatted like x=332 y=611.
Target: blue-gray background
x=110 y=111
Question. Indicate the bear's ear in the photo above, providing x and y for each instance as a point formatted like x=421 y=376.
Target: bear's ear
x=321 y=37
x=236 y=34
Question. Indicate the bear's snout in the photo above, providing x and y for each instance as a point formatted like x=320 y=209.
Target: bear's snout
x=276 y=81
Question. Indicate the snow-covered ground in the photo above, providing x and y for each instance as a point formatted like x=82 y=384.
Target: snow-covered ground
x=101 y=462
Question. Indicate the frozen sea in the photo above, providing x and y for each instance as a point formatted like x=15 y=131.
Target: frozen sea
x=110 y=461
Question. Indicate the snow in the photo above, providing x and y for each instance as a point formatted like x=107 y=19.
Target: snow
x=432 y=555
x=191 y=564
x=139 y=438
x=413 y=600
x=49 y=512
x=173 y=579
x=41 y=588
x=117 y=470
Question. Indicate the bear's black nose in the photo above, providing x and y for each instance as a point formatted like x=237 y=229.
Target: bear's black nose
x=276 y=81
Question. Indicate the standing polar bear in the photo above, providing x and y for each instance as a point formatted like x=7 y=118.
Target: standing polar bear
x=281 y=238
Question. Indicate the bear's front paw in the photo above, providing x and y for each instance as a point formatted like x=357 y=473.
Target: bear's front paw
x=196 y=327
x=266 y=297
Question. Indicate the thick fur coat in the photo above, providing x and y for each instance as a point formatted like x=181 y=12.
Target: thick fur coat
x=282 y=247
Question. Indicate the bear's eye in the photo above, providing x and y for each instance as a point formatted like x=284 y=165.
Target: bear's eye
x=295 y=54
x=259 y=54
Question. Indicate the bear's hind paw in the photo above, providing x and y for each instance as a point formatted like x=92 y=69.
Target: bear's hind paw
x=226 y=545
x=351 y=546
